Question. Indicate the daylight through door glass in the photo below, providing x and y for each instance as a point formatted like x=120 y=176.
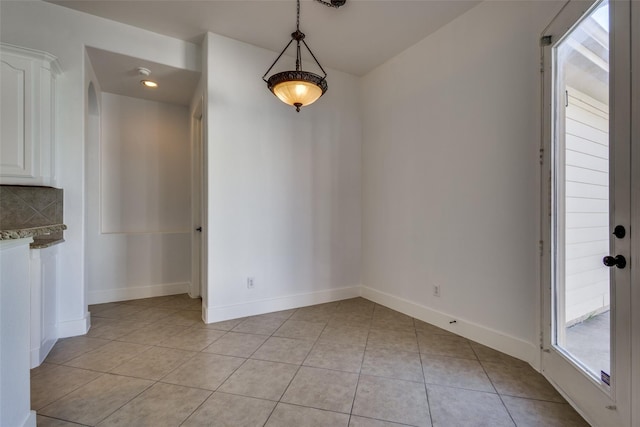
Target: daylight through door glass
x=581 y=194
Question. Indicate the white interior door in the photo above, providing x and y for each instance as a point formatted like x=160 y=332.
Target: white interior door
x=587 y=214
x=635 y=213
x=197 y=162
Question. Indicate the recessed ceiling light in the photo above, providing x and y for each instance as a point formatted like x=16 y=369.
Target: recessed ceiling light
x=145 y=72
x=149 y=83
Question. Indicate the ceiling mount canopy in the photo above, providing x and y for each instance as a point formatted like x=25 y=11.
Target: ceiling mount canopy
x=299 y=88
x=333 y=3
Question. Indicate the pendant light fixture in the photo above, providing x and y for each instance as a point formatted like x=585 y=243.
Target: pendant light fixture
x=299 y=88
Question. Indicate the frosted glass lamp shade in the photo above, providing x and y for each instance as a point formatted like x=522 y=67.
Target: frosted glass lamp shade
x=297 y=88
x=297 y=92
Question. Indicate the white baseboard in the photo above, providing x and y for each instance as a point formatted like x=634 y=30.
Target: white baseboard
x=124 y=294
x=205 y=311
x=31 y=420
x=39 y=354
x=569 y=400
x=73 y=328
x=512 y=346
x=35 y=358
x=194 y=293
x=252 y=308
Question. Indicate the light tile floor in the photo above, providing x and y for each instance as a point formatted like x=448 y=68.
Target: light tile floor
x=153 y=362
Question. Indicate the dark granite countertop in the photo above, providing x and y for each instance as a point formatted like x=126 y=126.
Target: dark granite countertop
x=43 y=243
x=35 y=232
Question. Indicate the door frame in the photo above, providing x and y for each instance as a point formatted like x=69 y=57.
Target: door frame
x=197 y=208
x=635 y=209
x=597 y=403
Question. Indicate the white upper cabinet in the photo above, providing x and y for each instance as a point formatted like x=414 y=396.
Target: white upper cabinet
x=27 y=106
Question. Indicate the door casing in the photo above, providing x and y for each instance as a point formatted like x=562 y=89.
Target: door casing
x=197 y=183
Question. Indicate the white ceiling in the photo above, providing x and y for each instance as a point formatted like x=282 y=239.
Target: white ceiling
x=355 y=38
x=119 y=74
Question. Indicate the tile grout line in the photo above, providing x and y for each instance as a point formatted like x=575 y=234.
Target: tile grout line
x=196 y=352
x=159 y=381
x=424 y=377
x=154 y=382
x=127 y=402
x=134 y=397
x=80 y=386
x=384 y=324
x=494 y=387
x=366 y=343
x=294 y=375
x=211 y=393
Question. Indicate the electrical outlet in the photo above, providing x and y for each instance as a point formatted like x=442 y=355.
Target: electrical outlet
x=250 y=283
x=436 y=290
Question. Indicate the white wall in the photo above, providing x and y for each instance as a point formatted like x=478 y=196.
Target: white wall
x=93 y=107
x=63 y=33
x=449 y=170
x=451 y=176
x=284 y=191
x=140 y=244
x=145 y=166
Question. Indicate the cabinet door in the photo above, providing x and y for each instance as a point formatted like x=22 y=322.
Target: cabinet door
x=16 y=117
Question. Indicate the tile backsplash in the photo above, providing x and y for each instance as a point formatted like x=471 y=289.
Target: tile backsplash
x=30 y=206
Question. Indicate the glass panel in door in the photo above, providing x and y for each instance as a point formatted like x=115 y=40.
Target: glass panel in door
x=581 y=194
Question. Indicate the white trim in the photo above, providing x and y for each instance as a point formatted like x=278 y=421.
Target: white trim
x=35 y=358
x=40 y=353
x=635 y=214
x=13 y=243
x=125 y=294
x=31 y=420
x=185 y=231
x=73 y=328
x=268 y=305
x=569 y=400
x=197 y=185
x=512 y=346
x=45 y=57
x=205 y=311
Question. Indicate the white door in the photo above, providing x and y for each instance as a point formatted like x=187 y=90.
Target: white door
x=635 y=214
x=197 y=162
x=586 y=218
